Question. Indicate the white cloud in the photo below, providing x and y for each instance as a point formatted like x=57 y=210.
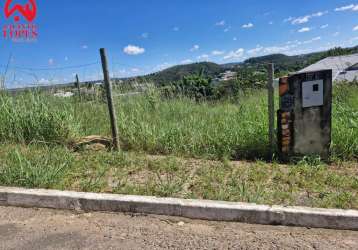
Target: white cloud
x=271 y=22
x=292 y=42
x=277 y=49
x=352 y=40
x=234 y=39
x=162 y=66
x=135 y=70
x=301 y=20
x=255 y=51
x=289 y=19
x=44 y=81
x=133 y=50
x=220 y=23
x=145 y=35
x=227 y=29
x=319 y=14
x=203 y=57
x=247 y=26
x=288 y=48
x=122 y=72
x=347 y=7
x=195 y=48
x=84 y=46
x=304 y=19
x=186 y=61
x=66 y=58
x=324 y=26
x=51 y=61
x=176 y=29
x=217 y=52
x=355 y=28
x=311 y=40
x=305 y=29
x=238 y=54
x=336 y=33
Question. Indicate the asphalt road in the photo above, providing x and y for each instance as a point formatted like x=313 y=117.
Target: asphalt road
x=52 y=229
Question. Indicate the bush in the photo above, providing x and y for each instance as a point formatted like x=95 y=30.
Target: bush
x=197 y=87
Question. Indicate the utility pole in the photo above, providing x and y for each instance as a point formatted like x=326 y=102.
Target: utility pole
x=111 y=108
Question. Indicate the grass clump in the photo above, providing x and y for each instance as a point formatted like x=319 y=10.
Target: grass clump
x=35 y=117
x=345 y=122
x=34 y=167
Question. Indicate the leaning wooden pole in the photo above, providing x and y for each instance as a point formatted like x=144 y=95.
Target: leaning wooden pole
x=78 y=86
x=111 y=109
x=271 y=106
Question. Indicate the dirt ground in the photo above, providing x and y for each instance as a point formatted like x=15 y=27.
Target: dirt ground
x=52 y=229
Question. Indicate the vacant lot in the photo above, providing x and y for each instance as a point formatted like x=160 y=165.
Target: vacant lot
x=174 y=147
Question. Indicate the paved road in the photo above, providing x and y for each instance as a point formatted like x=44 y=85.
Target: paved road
x=49 y=229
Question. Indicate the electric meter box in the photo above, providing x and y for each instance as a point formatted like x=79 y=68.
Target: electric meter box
x=305 y=115
x=312 y=93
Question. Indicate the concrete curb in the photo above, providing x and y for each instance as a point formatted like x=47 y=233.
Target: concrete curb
x=193 y=209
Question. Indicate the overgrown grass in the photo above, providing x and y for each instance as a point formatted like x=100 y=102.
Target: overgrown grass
x=33 y=126
x=36 y=117
x=185 y=127
x=33 y=166
x=179 y=126
x=235 y=129
x=307 y=184
x=345 y=122
x=182 y=126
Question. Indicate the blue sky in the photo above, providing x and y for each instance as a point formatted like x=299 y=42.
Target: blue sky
x=143 y=36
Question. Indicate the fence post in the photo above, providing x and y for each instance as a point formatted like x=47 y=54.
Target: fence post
x=78 y=86
x=271 y=106
x=111 y=109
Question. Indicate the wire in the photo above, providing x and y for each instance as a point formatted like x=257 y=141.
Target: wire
x=52 y=69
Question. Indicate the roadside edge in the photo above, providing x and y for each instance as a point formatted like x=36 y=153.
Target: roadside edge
x=193 y=209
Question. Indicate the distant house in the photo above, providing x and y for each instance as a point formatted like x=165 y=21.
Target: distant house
x=226 y=76
x=344 y=68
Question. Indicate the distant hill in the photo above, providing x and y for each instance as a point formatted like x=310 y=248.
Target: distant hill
x=283 y=63
x=293 y=63
x=176 y=73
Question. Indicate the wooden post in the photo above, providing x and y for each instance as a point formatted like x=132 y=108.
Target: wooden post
x=271 y=106
x=112 y=111
x=78 y=86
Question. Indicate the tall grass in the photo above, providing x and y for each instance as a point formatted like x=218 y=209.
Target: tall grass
x=345 y=122
x=34 y=167
x=235 y=129
x=183 y=126
x=36 y=117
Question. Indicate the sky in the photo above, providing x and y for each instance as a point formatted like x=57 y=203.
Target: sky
x=144 y=36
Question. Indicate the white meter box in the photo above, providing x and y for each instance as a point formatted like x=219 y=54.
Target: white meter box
x=312 y=94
